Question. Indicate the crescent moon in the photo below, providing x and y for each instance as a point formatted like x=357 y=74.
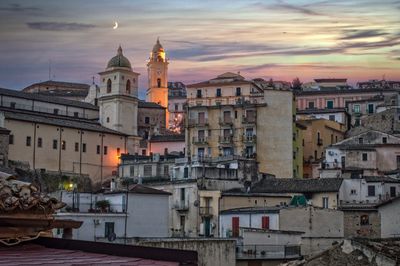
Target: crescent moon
x=115 y=25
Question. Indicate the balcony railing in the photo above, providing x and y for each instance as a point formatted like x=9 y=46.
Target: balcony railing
x=181 y=206
x=245 y=252
x=226 y=121
x=198 y=122
x=249 y=138
x=249 y=119
x=226 y=139
x=199 y=140
x=205 y=211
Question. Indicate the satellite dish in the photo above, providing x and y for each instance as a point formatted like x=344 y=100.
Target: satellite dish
x=196 y=203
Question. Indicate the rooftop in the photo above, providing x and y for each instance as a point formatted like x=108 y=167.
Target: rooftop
x=252 y=210
x=320 y=111
x=290 y=185
x=144 y=104
x=53 y=83
x=140 y=189
x=44 y=98
x=168 y=138
x=56 y=120
x=344 y=91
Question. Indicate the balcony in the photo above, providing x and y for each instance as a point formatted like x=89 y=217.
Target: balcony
x=249 y=120
x=226 y=139
x=198 y=122
x=226 y=121
x=181 y=206
x=200 y=140
x=252 y=252
x=319 y=142
x=205 y=211
x=249 y=139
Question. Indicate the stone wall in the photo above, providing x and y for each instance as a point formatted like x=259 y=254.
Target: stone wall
x=353 y=227
x=210 y=252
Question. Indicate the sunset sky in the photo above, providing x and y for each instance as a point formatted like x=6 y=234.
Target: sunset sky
x=277 y=39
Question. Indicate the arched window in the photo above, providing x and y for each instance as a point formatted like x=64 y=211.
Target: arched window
x=128 y=87
x=109 y=86
x=159 y=83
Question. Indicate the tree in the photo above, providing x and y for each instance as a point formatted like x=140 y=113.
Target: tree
x=296 y=84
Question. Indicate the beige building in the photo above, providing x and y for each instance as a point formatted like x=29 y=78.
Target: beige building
x=229 y=115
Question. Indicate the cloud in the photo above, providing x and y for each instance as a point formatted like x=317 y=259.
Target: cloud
x=359 y=34
x=18 y=8
x=289 y=7
x=59 y=26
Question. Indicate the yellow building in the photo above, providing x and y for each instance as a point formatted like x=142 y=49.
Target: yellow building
x=320 y=133
x=298 y=150
x=231 y=116
x=157 y=69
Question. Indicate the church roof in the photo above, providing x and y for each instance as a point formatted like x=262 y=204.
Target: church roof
x=119 y=60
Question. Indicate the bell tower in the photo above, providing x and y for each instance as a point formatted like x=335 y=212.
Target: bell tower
x=157 y=69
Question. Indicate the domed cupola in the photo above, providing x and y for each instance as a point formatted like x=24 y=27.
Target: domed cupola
x=158 y=53
x=119 y=60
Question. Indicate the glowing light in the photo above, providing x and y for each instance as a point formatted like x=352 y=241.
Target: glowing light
x=115 y=25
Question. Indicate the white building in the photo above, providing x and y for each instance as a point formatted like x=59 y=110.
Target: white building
x=142 y=212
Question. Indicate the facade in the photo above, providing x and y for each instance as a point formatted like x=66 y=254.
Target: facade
x=321 y=227
x=228 y=115
x=390 y=218
x=127 y=216
x=321 y=99
x=319 y=134
x=298 y=150
x=237 y=198
x=176 y=106
x=379 y=84
x=370 y=153
x=167 y=144
x=157 y=69
x=261 y=218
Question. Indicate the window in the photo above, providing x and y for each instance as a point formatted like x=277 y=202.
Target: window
x=360 y=140
x=55 y=144
x=325 y=202
x=76 y=146
x=131 y=170
x=28 y=141
x=200 y=152
x=370 y=108
x=198 y=94
x=238 y=91
x=83 y=147
x=398 y=161
x=265 y=222
x=166 y=170
x=98 y=149
x=183 y=194
x=109 y=86
x=384 y=140
x=356 y=108
x=176 y=107
x=159 y=83
x=365 y=156
x=147 y=120
x=236 y=114
x=227 y=116
x=219 y=94
x=39 y=142
x=332 y=117
x=392 y=192
x=353 y=192
x=329 y=104
x=311 y=105
x=371 y=191
x=144 y=151
x=108 y=229
x=55 y=111
x=108 y=120
x=357 y=122
x=147 y=170
x=128 y=87
x=185 y=172
x=11 y=139
x=76 y=114
x=364 y=219
x=201 y=117
x=63 y=145
x=118 y=151
x=12 y=105
x=105 y=149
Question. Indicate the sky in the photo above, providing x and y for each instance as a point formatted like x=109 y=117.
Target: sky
x=279 y=39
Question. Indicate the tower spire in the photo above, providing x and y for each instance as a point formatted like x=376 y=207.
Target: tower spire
x=119 y=51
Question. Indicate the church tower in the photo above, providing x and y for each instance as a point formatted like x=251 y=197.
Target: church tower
x=157 y=69
x=118 y=98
